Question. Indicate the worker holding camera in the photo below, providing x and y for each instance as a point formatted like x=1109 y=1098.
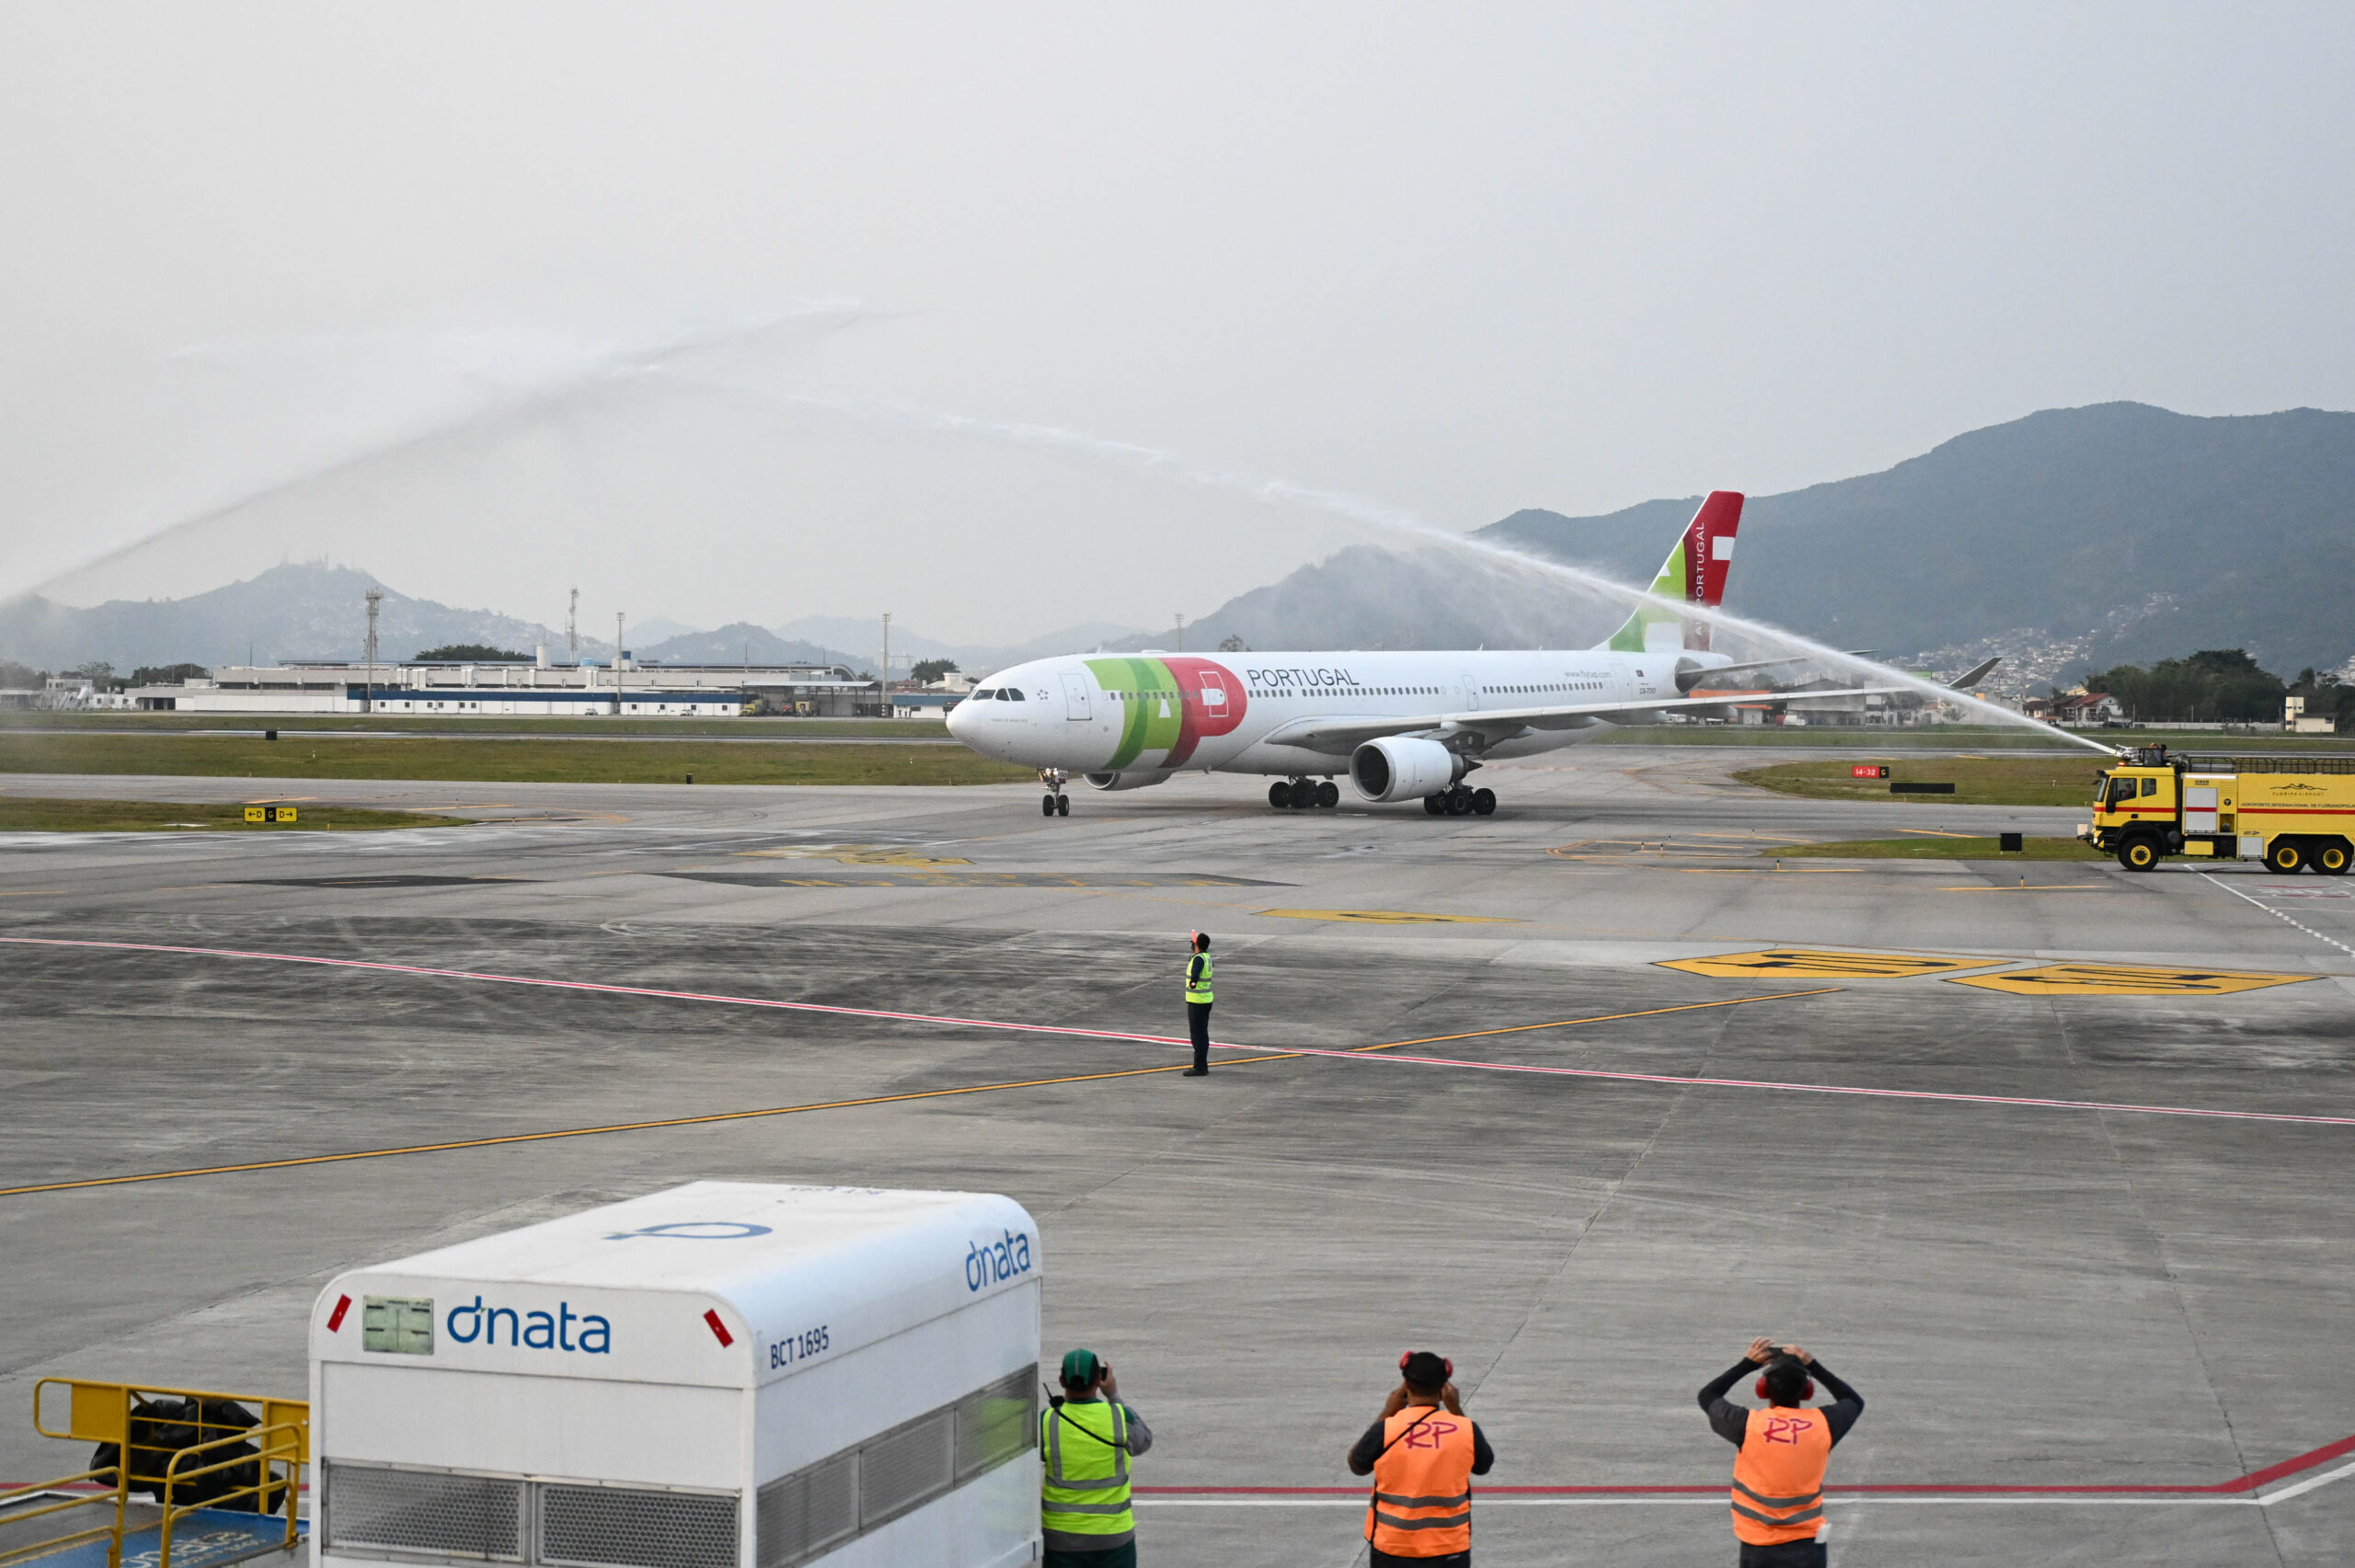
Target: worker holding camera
x=1086 y=1438
x=1422 y=1454
x=1783 y=1452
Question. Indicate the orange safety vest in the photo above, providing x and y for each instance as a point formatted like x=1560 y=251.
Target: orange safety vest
x=1778 y=1475
x=1422 y=1485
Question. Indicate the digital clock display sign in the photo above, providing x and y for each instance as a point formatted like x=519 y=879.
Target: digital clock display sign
x=398 y=1325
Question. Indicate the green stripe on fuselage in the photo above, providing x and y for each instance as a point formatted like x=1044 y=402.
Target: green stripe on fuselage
x=1149 y=710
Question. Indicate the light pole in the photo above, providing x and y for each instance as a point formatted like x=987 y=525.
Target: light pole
x=886 y=664
x=1181 y=634
x=368 y=691
x=617 y=664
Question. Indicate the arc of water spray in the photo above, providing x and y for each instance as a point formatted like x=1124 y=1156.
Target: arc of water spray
x=1360 y=509
x=525 y=400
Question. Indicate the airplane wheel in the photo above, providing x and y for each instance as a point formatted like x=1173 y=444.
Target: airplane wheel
x=1304 y=794
x=1047 y=806
x=2287 y=856
x=1328 y=795
x=1484 y=802
x=1063 y=805
x=1435 y=805
x=1280 y=794
x=1459 y=802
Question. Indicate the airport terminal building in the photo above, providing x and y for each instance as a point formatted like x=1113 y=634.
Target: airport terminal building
x=522 y=689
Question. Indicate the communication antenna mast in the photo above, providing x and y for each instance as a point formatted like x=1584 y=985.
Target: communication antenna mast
x=572 y=628
x=368 y=691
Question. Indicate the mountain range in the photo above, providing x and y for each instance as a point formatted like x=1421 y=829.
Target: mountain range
x=313 y=610
x=2069 y=540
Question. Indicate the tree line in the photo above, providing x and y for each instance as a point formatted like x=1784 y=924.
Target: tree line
x=2220 y=685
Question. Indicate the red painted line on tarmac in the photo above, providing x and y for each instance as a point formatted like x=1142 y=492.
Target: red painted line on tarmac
x=430 y=973
x=2310 y=1460
x=1947 y=1096
x=950 y=1020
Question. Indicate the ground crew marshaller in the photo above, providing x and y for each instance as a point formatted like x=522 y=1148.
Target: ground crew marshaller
x=1422 y=1454
x=1086 y=1438
x=1778 y=1474
x=1198 y=1003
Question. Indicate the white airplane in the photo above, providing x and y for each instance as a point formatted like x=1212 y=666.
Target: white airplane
x=1401 y=726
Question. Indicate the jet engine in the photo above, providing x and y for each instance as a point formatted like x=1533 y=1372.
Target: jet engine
x=1399 y=767
x=1144 y=778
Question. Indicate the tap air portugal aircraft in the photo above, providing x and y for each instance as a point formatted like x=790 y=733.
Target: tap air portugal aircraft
x=1401 y=726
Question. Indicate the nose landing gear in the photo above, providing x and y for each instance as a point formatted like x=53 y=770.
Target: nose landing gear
x=1055 y=803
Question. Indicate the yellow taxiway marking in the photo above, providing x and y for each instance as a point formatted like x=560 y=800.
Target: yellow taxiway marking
x=1940 y=833
x=34 y=893
x=2039 y=887
x=1812 y=964
x=1775 y=870
x=1388 y=917
x=2126 y=979
x=710 y=1117
x=855 y=855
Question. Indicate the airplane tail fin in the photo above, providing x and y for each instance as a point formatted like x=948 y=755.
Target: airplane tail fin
x=1693 y=572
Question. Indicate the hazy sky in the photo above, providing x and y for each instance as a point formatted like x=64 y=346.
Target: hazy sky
x=743 y=312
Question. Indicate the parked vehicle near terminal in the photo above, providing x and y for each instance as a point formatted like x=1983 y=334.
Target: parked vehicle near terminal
x=2290 y=812
x=725 y=1375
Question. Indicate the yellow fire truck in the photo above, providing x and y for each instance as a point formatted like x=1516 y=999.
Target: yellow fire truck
x=2290 y=812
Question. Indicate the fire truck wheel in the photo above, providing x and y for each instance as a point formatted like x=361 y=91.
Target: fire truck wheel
x=2140 y=852
x=2331 y=857
x=2285 y=856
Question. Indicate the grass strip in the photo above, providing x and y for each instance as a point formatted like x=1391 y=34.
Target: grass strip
x=499 y=762
x=1978 y=780
x=27 y=814
x=1938 y=848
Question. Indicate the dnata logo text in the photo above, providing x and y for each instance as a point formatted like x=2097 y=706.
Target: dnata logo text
x=995 y=1263
x=532 y=1330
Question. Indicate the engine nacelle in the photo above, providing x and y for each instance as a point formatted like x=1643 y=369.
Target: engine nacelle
x=1145 y=778
x=1399 y=767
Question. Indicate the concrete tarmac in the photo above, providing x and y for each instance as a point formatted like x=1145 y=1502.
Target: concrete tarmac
x=2030 y=1296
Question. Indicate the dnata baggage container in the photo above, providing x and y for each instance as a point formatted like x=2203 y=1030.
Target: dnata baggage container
x=721 y=1376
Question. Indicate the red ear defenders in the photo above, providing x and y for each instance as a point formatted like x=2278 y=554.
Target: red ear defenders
x=1408 y=1355
x=1807 y=1389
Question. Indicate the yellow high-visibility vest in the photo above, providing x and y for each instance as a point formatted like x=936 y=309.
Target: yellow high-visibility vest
x=1084 y=1487
x=1198 y=977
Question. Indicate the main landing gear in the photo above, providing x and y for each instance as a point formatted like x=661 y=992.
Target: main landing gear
x=1460 y=800
x=1302 y=793
x=1056 y=803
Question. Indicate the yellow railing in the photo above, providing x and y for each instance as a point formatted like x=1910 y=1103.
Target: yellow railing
x=117 y=1412
x=280 y=1444
x=111 y=1531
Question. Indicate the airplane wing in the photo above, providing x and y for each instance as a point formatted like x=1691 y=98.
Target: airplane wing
x=1340 y=735
x=1970 y=678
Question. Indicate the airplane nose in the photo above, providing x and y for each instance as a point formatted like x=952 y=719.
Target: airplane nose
x=957 y=718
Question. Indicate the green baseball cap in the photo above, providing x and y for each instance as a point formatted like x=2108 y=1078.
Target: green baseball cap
x=1080 y=1366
